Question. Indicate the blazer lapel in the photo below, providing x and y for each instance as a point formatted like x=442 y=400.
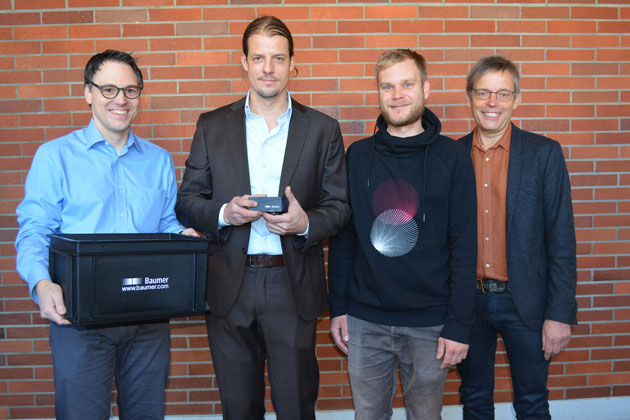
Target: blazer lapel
x=515 y=171
x=237 y=144
x=298 y=128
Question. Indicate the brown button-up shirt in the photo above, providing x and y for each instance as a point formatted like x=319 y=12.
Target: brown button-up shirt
x=491 y=173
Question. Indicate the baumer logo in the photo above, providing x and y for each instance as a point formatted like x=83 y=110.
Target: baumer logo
x=132 y=281
x=136 y=284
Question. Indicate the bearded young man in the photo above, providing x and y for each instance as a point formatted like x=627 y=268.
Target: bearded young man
x=402 y=272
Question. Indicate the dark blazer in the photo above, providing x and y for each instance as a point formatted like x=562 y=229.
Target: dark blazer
x=217 y=170
x=541 y=249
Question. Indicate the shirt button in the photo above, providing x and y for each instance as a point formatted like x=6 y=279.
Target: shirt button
x=485 y=185
x=120 y=187
x=485 y=211
x=487 y=265
x=487 y=159
x=487 y=239
x=122 y=214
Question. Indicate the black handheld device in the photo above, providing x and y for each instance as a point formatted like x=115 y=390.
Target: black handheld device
x=270 y=204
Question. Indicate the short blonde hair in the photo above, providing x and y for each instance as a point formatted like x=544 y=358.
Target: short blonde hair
x=399 y=55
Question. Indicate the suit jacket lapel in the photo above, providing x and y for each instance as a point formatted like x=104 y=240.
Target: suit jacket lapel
x=237 y=144
x=298 y=128
x=515 y=171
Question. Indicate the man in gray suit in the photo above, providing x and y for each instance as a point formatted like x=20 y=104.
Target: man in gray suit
x=266 y=282
x=526 y=266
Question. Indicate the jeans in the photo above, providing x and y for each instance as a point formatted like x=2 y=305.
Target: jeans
x=87 y=359
x=496 y=313
x=375 y=351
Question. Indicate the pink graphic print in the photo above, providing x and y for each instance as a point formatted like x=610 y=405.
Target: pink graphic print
x=394 y=231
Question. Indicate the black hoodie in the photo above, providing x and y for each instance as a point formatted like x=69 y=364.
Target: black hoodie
x=408 y=255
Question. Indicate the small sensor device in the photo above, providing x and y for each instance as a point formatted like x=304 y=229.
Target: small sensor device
x=270 y=204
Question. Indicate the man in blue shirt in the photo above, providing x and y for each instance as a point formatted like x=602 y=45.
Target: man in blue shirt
x=100 y=179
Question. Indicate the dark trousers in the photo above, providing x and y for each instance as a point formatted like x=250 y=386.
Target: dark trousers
x=496 y=313
x=264 y=324
x=87 y=359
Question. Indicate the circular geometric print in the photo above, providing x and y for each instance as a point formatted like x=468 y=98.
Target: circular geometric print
x=395 y=194
x=394 y=231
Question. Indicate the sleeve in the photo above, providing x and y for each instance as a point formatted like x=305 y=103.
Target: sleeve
x=341 y=259
x=195 y=207
x=333 y=210
x=168 y=221
x=39 y=215
x=462 y=242
x=560 y=240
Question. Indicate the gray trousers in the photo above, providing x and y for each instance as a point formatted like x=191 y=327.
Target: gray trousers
x=264 y=326
x=87 y=359
x=374 y=353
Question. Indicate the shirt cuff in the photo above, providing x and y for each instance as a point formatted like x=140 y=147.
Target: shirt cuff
x=221 y=220
x=37 y=274
x=305 y=233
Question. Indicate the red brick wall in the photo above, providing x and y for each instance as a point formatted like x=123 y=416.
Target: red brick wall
x=575 y=59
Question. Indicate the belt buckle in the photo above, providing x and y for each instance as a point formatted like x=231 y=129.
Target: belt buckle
x=251 y=263
x=481 y=286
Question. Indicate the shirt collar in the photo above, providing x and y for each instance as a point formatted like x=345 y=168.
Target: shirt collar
x=504 y=141
x=249 y=113
x=93 y=136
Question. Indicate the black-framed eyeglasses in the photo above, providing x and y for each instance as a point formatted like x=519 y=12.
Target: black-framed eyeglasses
x=111 y=91
x=502 y=95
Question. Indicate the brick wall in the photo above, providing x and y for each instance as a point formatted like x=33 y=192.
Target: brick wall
x=575 y=59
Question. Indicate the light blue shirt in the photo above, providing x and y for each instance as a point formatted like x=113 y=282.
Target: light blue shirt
x=265 y=155
x=79 y=183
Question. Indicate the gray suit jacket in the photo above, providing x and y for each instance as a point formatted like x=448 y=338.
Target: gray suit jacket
x=217 y=170
x=541 y=248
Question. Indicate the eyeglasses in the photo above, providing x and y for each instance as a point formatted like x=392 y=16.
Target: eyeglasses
x=111 y=91
x=501 y=95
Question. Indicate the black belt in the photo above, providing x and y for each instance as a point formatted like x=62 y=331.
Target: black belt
x=492 y=286
x=263 y=260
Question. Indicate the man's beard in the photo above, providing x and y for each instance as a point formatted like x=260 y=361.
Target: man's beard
x=268 y=93
x=414 y=115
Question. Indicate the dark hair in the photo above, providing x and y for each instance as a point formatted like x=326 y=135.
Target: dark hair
x=97 y=61
x=488 y=64
x=270 y=26
x=396 y=56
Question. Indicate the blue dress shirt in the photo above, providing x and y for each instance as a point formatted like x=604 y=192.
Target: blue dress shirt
x=265 y=156
x=79 y=183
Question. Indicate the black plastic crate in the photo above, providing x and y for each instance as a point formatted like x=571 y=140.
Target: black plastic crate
x=111 y=278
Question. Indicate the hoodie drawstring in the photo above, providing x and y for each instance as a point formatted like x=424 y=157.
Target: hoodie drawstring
x=371 y=156
x=424 y=182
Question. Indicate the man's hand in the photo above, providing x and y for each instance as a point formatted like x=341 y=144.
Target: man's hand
x=451 y=351
x=237 y=213
x=555 y=337
x=339 y=332
x=293 y=221
x=191 y=232
x=51 y=304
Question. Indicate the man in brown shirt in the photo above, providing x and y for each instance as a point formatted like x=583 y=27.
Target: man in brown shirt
x=526 y=265
x=491 y=170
